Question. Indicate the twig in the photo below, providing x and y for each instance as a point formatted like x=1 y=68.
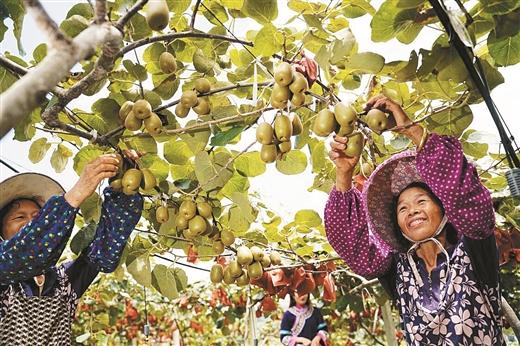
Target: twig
x=128 y=15
x=177 y=35
x=12 y=66
x=194 y=15
x=101 y=11
x=364 y=284
x=57 y=37
x=180 y=263
x=215 y=91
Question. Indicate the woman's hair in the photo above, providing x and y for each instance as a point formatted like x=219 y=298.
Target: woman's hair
x=293 y=301
x=5 y=210
x=451 y=232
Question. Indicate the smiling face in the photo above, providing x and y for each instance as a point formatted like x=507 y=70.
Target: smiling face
x=19 y=213
x=418 y=214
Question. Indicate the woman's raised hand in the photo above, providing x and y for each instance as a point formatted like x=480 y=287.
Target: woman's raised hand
x=344 y=164
x=105 y=166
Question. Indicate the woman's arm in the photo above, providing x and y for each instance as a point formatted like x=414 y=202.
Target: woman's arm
x=467 y=203
x=347 y=231
x=120 y=213
x=322 y=336
x=39 y=244
x=286 y=336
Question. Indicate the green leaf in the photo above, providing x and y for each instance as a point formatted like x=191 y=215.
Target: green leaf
x=83 y=238
x=294 y=162
x=91 y=208
x=138 y=27
x=181 y=279
x=16 y=11
x=343 y=48
x=196 y=140
x=391 y=21
x=263 y=11
x=477 y=150
x=73 y=25
x=40 y=52
x=177 y=152
x=366 y=62
x=318 y=155
x=178 y=6
x=237 y=183
x=38 y=149
x=209 y=169
x=143 y=144
x=136 y=70
x=60 y=157
x=505 y=50
x=307 y=217
x=266 y=41
x=163 y=279
x=225 y=137
x=250 y=164
x=159 y=167
x=141 y=270
x=212 y=9
x=499 y=6
x=451 y=121
x=83 y=9
x=6 y=79
x=357 y=8
x=84 y=156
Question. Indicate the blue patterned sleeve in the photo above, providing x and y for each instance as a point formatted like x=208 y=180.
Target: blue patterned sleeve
x=120 y=213
x=39 y=244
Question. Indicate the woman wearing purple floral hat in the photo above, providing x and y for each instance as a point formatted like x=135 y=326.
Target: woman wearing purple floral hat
x=424 y=226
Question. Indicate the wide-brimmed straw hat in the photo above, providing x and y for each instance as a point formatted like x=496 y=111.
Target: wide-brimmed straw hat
x=29 y=185
x=379 y=191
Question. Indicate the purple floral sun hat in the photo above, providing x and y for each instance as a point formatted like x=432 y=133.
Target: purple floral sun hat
x=379 y=191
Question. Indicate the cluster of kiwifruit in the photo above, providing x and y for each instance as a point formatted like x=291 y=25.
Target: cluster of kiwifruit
x=192 y=218
x=276 y=140
x=289 y=85
x=134 y=115
x=157 y=14
x=248 y=265
x=132 y=179
x=191 y=99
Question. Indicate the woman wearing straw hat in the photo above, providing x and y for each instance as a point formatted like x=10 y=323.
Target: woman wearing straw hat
x=424 y=226
x=37 y=298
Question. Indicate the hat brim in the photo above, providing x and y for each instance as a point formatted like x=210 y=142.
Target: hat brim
x=29 y=185
x=379 y=191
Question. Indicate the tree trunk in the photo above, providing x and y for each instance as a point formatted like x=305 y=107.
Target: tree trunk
x=511 y=317
x=29 y=91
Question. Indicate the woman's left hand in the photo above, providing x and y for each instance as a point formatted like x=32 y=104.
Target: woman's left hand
x=105 y=166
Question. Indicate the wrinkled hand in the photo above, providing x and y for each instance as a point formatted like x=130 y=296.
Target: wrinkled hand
x=105 y=166
x=397 y=115
x=344 y=163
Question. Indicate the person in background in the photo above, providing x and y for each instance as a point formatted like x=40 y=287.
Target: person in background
x=37 y=298
x=303 y=324
x=424 y=225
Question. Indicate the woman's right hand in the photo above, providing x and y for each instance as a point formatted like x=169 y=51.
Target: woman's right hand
x=344 y=164
x=105 y=166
